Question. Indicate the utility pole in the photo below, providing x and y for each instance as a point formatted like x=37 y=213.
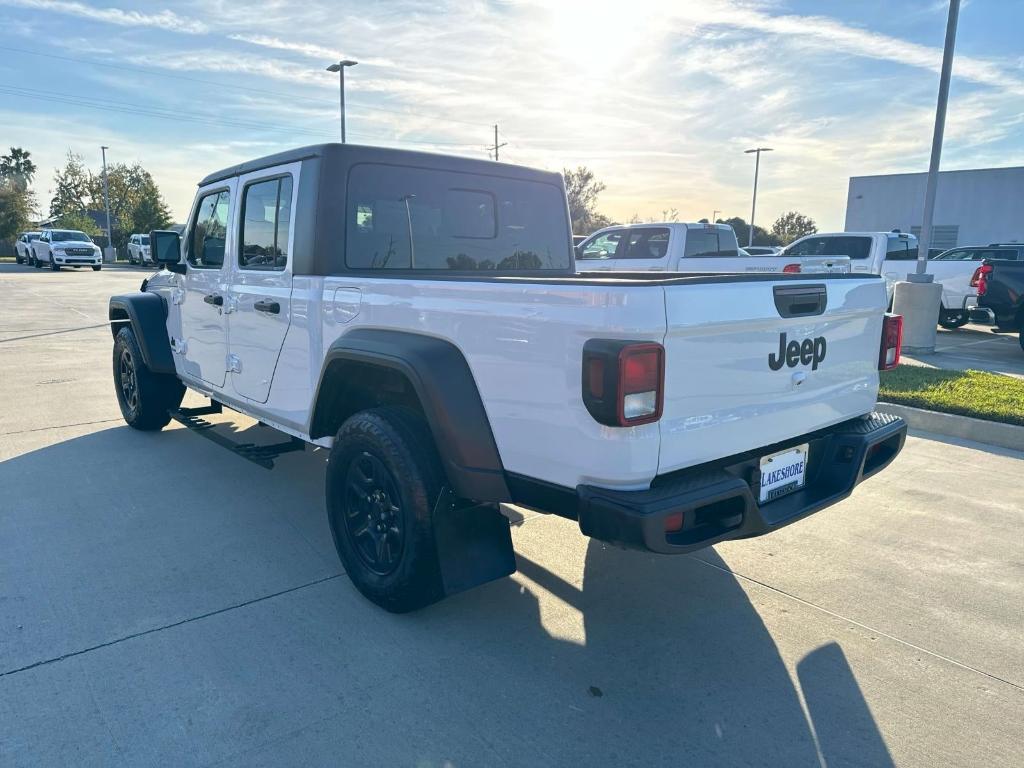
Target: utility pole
x=757 y=167
x=919 y=298
x=497 y=146
x=340 y=69
x=714 y=216
x=110 y=254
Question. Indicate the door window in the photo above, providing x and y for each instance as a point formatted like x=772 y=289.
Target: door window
x=266 y=216
x=210 y=231
x=603 y=246
x=899 y=249
x=646 y=244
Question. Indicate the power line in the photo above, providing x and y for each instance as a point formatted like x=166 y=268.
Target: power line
x=262 y=91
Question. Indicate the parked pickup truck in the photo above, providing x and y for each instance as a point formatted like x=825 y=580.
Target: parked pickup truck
x=420 y=316
x=686 y=247
x=1000 y=285
x=891 y=254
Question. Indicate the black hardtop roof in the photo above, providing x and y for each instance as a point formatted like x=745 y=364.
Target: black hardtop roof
x=350 y=154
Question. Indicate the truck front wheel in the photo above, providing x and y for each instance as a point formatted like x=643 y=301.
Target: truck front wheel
x=146 y=398
x=383 y=480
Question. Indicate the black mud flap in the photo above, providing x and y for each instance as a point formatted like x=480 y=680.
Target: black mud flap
x=262 y=455
x=474 y=543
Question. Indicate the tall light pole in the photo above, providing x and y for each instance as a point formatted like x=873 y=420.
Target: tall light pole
x=757 y=167
x=340 y=69
x=919 y=298
x=940 y=126
x=106 y=203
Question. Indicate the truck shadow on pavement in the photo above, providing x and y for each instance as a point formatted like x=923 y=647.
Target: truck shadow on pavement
x=184 y=557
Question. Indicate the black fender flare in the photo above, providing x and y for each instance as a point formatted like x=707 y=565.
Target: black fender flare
x=447 y=391
x=147 y=315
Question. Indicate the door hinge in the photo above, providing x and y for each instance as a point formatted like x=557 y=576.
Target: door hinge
x=234 y=365
x=177 y=296
x=178 y=345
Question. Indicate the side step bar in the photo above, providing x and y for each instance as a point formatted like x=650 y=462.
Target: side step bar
x=262 y=455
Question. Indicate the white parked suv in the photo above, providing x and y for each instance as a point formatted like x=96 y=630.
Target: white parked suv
x=23 y=247
x=138 y=250
x=420 y=317
x=66 y=248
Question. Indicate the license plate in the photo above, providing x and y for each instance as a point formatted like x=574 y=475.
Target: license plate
x=783 y=473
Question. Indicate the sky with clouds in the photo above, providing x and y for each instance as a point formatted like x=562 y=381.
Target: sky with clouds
x=659 y=98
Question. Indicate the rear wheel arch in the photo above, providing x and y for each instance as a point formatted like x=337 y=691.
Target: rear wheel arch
x=369 y=368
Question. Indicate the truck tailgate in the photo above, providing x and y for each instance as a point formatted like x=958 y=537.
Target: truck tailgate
x=751 y=364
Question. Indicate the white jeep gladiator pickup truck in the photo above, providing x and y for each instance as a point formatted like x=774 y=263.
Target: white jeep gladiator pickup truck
x=687 y=247
x=421 y=317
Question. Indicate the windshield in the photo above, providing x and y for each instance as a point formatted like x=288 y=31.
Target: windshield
x=69 y=235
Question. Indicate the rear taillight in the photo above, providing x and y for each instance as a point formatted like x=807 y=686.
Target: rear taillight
x=979 y=279
x=892 y=340
x=791 y=269
x=623 y=382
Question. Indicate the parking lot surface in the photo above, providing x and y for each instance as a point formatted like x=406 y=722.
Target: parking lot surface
x=166 y=602
x=976 y=347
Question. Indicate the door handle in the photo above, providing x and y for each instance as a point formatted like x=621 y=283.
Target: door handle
x=215 y=299
x=265 y=305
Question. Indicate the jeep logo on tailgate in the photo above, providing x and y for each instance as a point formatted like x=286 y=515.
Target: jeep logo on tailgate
x=807 y=352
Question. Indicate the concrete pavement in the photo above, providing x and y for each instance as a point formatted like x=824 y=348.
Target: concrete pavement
x=165 y=602
x=974 y=346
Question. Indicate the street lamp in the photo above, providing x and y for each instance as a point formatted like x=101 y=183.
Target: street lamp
x=110 y=254
x=340 y=69
x=757 y=167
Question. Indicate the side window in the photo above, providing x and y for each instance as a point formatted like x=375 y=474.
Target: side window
x=266 y=217
x=603 y=246
x=210 y=231
x=709 y=243
x=646 y=244
x=899 y=249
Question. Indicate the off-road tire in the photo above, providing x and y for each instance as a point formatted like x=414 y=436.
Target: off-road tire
x=97 y=268
x=145 y=398
x=397 y=441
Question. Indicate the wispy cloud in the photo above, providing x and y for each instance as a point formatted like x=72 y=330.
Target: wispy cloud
x=162 y=19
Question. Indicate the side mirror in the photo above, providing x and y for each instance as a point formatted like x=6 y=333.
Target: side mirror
x=166 y=249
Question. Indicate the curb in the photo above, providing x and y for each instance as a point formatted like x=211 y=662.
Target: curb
x=980 y=431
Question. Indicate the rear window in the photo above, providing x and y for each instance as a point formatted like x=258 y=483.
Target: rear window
x=854 y=247
x=899 y=249
x=415 y=218
x=708 y=243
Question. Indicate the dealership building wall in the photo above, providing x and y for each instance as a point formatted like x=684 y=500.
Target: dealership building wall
x=975 y=207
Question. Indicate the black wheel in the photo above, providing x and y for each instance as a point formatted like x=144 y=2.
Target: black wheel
x=145 y=398
x=17 y=259
x=37 y=264
x=97 y=268
x=951 y=320
x=53 y=264
x=383 y=480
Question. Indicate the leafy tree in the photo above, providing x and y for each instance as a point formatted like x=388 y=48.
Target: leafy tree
x=17 y=202
x=136 y=204
x=80 y=221
x=18 y=167
x=17 y=206
x=761 y=235
x=71 y=187
x=792 y=226
x=582 y=190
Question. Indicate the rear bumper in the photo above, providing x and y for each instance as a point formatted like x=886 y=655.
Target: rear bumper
x=719 y=501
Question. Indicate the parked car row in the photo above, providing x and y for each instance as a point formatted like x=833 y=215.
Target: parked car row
x=57 y=248
x=999 y=282
x=700 y=248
